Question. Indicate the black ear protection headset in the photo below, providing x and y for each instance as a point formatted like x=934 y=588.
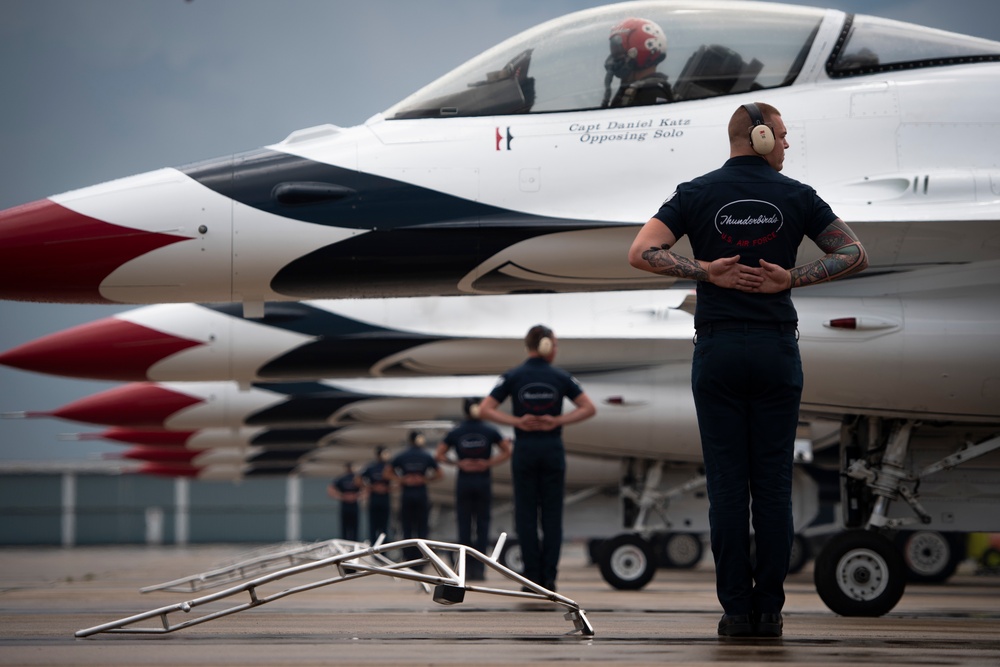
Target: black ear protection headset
x=761 y=136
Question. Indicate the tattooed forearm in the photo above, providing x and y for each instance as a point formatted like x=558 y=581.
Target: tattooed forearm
x=845 y=255
x=664 y=262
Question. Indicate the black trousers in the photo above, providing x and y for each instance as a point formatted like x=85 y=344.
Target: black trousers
x=473 y=503
x=349 y=521
x=538 y=466
x=414 y=511
x=378 y=516
x=747 y=387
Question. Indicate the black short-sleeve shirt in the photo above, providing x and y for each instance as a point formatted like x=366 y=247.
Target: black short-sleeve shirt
x=745 y=208
x=473 y=439
x=347 y=483
x=413 y=460
x=536 y=387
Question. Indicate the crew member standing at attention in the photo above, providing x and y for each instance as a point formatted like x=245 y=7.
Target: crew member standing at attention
x=536 y=390
x=745 y=222
x=414 y=468
x=378 y=490
x=347 y=490
x=473 y=441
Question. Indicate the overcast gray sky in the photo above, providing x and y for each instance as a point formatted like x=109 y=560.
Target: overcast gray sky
x=99 y=89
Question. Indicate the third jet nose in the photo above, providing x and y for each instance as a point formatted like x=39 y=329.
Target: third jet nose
x=140 y=404
x=49 y=252
x=169 y=469
x=108 y=349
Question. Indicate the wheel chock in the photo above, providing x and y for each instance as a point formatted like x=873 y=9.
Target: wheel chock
x=445 y=594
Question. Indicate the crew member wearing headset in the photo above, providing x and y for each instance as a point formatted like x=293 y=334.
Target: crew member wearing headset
x=414 y=468
x=473 y=443
x=745 y=222
x=536 y=390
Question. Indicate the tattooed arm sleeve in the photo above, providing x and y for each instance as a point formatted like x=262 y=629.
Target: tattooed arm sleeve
x=844 y=256
x=651 y=252
x=662 y=260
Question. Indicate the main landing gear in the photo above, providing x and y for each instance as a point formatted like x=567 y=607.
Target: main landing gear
x=648 y=489
x=862 y=572
x=629 y=561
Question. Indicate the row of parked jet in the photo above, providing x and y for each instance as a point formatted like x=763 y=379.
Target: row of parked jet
x=367 y=279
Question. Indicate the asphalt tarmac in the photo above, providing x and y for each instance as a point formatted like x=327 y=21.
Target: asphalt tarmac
x=48 y=594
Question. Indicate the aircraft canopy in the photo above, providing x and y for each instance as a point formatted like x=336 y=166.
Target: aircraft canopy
x=712 y=49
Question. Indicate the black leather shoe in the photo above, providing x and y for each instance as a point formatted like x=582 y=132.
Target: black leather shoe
x=767 y=625
x=735 y=625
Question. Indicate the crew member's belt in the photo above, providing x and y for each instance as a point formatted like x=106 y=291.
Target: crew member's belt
x=734 y=325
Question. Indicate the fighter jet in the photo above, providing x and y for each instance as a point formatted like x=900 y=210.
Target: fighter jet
x=529 y=167
x=359 y=337
x=358 y=218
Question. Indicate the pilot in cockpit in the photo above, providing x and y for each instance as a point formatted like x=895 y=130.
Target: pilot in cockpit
x=637 y=47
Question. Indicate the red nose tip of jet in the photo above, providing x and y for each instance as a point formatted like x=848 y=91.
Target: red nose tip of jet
x=139 y=404
x=148 y=437
x=51 y=253
x=108 y=349
x=169 y=469
x=159 y=454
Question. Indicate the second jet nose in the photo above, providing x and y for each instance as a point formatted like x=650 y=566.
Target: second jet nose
x=138 y=404
x=49 y=252
x=134 y=436
x=108 y=349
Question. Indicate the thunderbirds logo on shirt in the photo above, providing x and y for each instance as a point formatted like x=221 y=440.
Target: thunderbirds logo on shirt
x=538 y=397
x=748 y=222
x=473 y=443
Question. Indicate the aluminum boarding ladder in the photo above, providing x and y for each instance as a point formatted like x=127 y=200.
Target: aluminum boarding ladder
x=449 y=584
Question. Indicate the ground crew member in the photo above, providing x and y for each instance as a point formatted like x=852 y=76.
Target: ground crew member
x=473 y=441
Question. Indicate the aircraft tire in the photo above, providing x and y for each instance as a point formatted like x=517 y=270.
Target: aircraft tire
x=627 y=562
x=510 y=556
x=860 y=573
x=930 y=557
x=682 y=550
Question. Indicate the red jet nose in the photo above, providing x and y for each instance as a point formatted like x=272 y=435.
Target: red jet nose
x=138 y=404
x=169 y=469
x=159 y=455
x=133 y=436
x=51 y=253
x=108 y=349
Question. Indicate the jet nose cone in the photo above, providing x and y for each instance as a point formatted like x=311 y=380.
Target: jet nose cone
x=108 y=349
x=138 y=404
x=152 y=438
x=168 y=470
x=158 y=454
x=51 y=253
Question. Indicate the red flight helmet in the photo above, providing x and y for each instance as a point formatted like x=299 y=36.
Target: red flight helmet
x=636 y=44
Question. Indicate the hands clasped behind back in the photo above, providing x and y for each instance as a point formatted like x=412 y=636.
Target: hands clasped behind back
x=768 y=278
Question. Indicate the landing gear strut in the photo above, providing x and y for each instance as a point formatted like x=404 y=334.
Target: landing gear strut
x=629 y=561
x=861 y=572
